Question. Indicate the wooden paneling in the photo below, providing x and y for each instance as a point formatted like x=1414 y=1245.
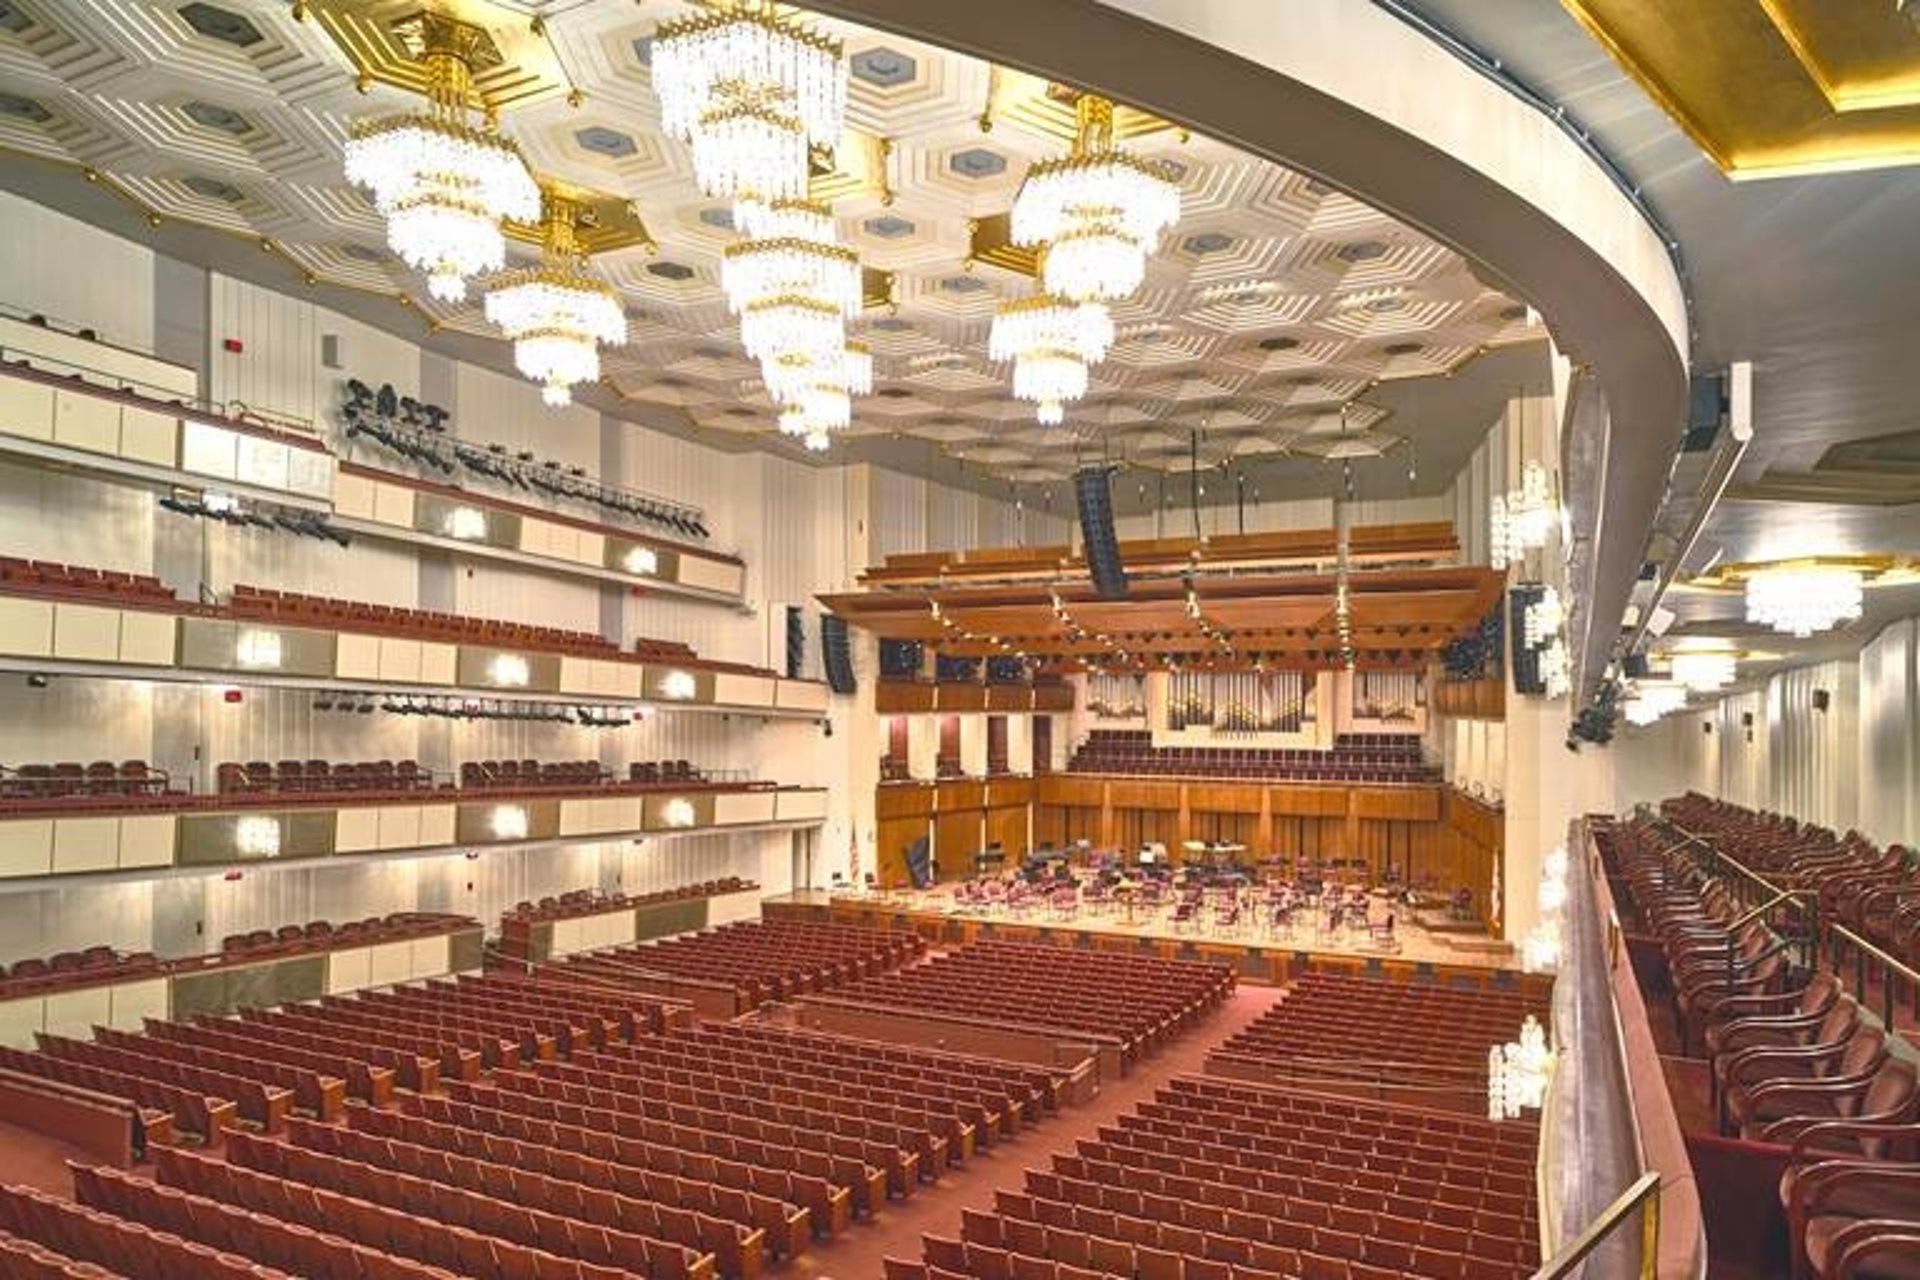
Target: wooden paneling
x=1308 y=802
x=951 y=796
x=1007 y=827
x=1144 y=795
x=1471 y=699
x=902 y=698
x=1223 y=797
x=1403 y=804
x=902 y=800
x=957 y=837
x=1005 y=791
x=1068 y=790
x=891 y=838
x=960 y=697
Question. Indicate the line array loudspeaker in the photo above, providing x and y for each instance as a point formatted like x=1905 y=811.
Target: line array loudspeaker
x=1095 y=498
x=835 y=654
x=796 y=641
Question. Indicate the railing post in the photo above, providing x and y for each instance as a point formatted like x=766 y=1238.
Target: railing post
x=1650 y=1237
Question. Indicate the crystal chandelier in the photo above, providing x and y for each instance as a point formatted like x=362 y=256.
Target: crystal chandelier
x=1517 y=1073
x=749 y=91
x=790 y=326
x=1051 y=342
x=443 y=185
x=1099 y=211
x=1544 y=618
x=1799 y=599
x=1703 y=670
x=557 y=316
x=1652 y=699
x=797 y=258
x=1523 y=519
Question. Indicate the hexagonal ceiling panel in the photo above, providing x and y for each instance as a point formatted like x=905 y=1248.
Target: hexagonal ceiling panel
x=1273 y=303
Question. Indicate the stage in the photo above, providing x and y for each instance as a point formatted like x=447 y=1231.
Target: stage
x=1258 y=954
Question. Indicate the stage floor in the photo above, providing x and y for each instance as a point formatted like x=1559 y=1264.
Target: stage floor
x=936 y=913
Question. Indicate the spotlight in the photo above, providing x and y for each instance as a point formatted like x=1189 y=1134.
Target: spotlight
x=36 y=681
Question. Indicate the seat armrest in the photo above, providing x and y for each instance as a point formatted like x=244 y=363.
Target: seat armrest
x=1859 y=1127
x=1855 y=1246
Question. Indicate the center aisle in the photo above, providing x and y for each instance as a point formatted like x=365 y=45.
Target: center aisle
x=935 y=1209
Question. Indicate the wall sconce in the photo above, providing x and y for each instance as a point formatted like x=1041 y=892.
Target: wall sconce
x=509 y=670
x=678 y=812
x=641 y=561
x=467 y=524
x=678 y=686
x=508 y=822
x=258 y=650
x=257 y=837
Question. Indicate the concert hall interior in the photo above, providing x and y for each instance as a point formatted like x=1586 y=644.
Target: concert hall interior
x=910 y=640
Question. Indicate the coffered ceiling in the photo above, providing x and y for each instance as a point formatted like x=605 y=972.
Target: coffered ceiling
x=1277 y=316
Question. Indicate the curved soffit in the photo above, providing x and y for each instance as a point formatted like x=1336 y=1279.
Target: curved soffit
x=1347 y=93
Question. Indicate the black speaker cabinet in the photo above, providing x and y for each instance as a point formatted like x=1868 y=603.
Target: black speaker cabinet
x=835 y=654
x=1095 y=498
x=796 y=641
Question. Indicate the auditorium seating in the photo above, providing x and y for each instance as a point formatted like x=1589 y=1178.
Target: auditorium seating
x=118 y=1244
x=35 y=976
x=1354 y=758
x=588 y=902
x=1136 y=1000
x=762 y=960
x=1342 y=1030
x=416 y=624
x=1214 y=1180
x=102 y=778
x=47 y=580
x=262 y=777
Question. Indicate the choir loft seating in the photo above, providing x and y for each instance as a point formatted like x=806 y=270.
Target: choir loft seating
x=1354 y=758
x=1214 y=1180
x=1133 y=1001
x=761 y=960
x=35 y=975
x=1349 y=1034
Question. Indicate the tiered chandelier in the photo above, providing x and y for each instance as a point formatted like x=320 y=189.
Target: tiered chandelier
x=444 y=186
x=1704 y=670
x=749 y=91
x=1051 y=343
x=1522 y=520
x=1094 y=216
x=1652 y=699
x=555 y=314
x=1518 y=1072
x=1799 y=598
x=1098 y=211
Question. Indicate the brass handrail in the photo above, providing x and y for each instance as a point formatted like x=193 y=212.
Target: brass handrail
x=1644 y=1191
x=1863 y=948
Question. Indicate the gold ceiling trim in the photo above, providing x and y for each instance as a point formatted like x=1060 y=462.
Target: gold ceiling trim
x=1874 y=569
x=1773 y=87
x=383 y=38
x=991 y=242
x=606 y=222
x=1048 y=108
x=855 y=168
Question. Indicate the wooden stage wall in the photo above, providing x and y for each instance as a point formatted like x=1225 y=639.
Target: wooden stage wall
x=1431 y=836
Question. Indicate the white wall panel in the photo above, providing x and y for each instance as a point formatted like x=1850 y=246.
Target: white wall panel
x=495 y=408
x=1889 y=722
x=39 y=513
x=278 y=365
x=77 y=274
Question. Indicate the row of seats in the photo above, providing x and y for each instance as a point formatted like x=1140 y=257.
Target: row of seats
x=1872 y=890
x=1793 y=1060
x=1344 y=1027
x=1139 y=1001
x=262 y=777
x=574 y=773
x=1131 y=751
x=103 y=586
x=416 y=624
x=1214 y=1180
x=40 y=782
x=102 y=965
x=591 y=902
x=761 y=959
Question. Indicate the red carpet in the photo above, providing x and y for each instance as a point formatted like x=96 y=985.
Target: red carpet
x=935 y=1209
